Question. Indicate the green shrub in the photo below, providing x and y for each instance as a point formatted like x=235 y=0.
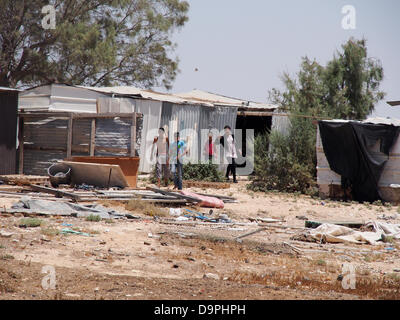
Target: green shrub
x=197 y=172
x=202 y=172
x=285 y=163
x=29 y=222
x=93 y=218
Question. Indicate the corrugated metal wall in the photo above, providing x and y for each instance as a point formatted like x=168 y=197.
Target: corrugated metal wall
x=149 y=123
x=8 y=131
x=45 y=140
x=151 y=111
x=190 y=120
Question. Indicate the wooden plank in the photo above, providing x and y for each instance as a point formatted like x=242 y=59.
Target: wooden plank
x=69 y=136
x=250 y=233
x=92 y=144
x=133 y=135
x=96 y=174
x=21 y=180
x=78 y=149
x=56 y=192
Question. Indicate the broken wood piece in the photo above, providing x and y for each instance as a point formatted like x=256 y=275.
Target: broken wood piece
x=250 y=233
x=24 y=180
x=293 y=247
x=266 y=220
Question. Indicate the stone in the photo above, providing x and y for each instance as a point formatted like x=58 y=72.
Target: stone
x=6 y=234
x=211 y=276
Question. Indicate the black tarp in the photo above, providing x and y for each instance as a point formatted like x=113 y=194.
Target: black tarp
x=348 y=149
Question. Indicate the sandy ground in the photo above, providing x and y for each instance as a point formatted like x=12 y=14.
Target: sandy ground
x=162 y=259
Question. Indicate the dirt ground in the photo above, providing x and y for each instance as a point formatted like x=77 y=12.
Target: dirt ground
x=161 y=258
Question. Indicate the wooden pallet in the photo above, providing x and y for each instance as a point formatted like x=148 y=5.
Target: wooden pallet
x=24 y=180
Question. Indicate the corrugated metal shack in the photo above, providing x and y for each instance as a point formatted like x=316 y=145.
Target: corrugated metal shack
x=46 y=137
x=329 y=182
x=8 y=130
x=192 y=113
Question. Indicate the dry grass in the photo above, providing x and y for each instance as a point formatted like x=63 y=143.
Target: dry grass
x=144 y=207
x=30 y=222
x=50 y=231
x=368 y=287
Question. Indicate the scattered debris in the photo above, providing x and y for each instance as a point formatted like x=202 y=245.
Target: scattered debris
x=24 y=180
x=348 y=224
x=335 y=233
x=56 y=192
x=70 y=231
x=46 y=207
x=204 y=201
x=265 y=220
x=250 y=233
x=176 y=212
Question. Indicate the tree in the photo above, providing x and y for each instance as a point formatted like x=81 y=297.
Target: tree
x=346 y=88
x=95 y=42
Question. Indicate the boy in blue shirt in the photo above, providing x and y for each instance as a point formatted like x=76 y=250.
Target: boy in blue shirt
x=178 y=150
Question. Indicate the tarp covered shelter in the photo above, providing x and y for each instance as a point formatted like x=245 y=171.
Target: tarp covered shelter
x=358 y=153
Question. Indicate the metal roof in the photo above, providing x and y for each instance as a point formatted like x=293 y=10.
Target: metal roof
x=8 y=89
x=147 y=94
x=217 y=99
x=195 y=97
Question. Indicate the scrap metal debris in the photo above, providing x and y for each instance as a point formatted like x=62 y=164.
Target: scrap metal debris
x=46 y=207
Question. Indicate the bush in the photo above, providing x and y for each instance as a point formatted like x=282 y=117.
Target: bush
x=93 y=218
x=197 y=172
x=287 y=165
x=30 y=223
x=202 y=172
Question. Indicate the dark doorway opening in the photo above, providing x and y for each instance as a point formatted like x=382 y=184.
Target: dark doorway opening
x=260 y=125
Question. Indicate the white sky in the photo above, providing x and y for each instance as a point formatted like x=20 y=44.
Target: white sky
x=242 y=47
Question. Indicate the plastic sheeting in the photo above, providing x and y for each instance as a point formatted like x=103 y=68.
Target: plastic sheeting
x=336 y=234
x=348 y=148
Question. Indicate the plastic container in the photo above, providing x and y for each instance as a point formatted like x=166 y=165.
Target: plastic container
x=59 y=173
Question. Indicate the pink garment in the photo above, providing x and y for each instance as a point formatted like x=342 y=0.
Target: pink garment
x=208 y=202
